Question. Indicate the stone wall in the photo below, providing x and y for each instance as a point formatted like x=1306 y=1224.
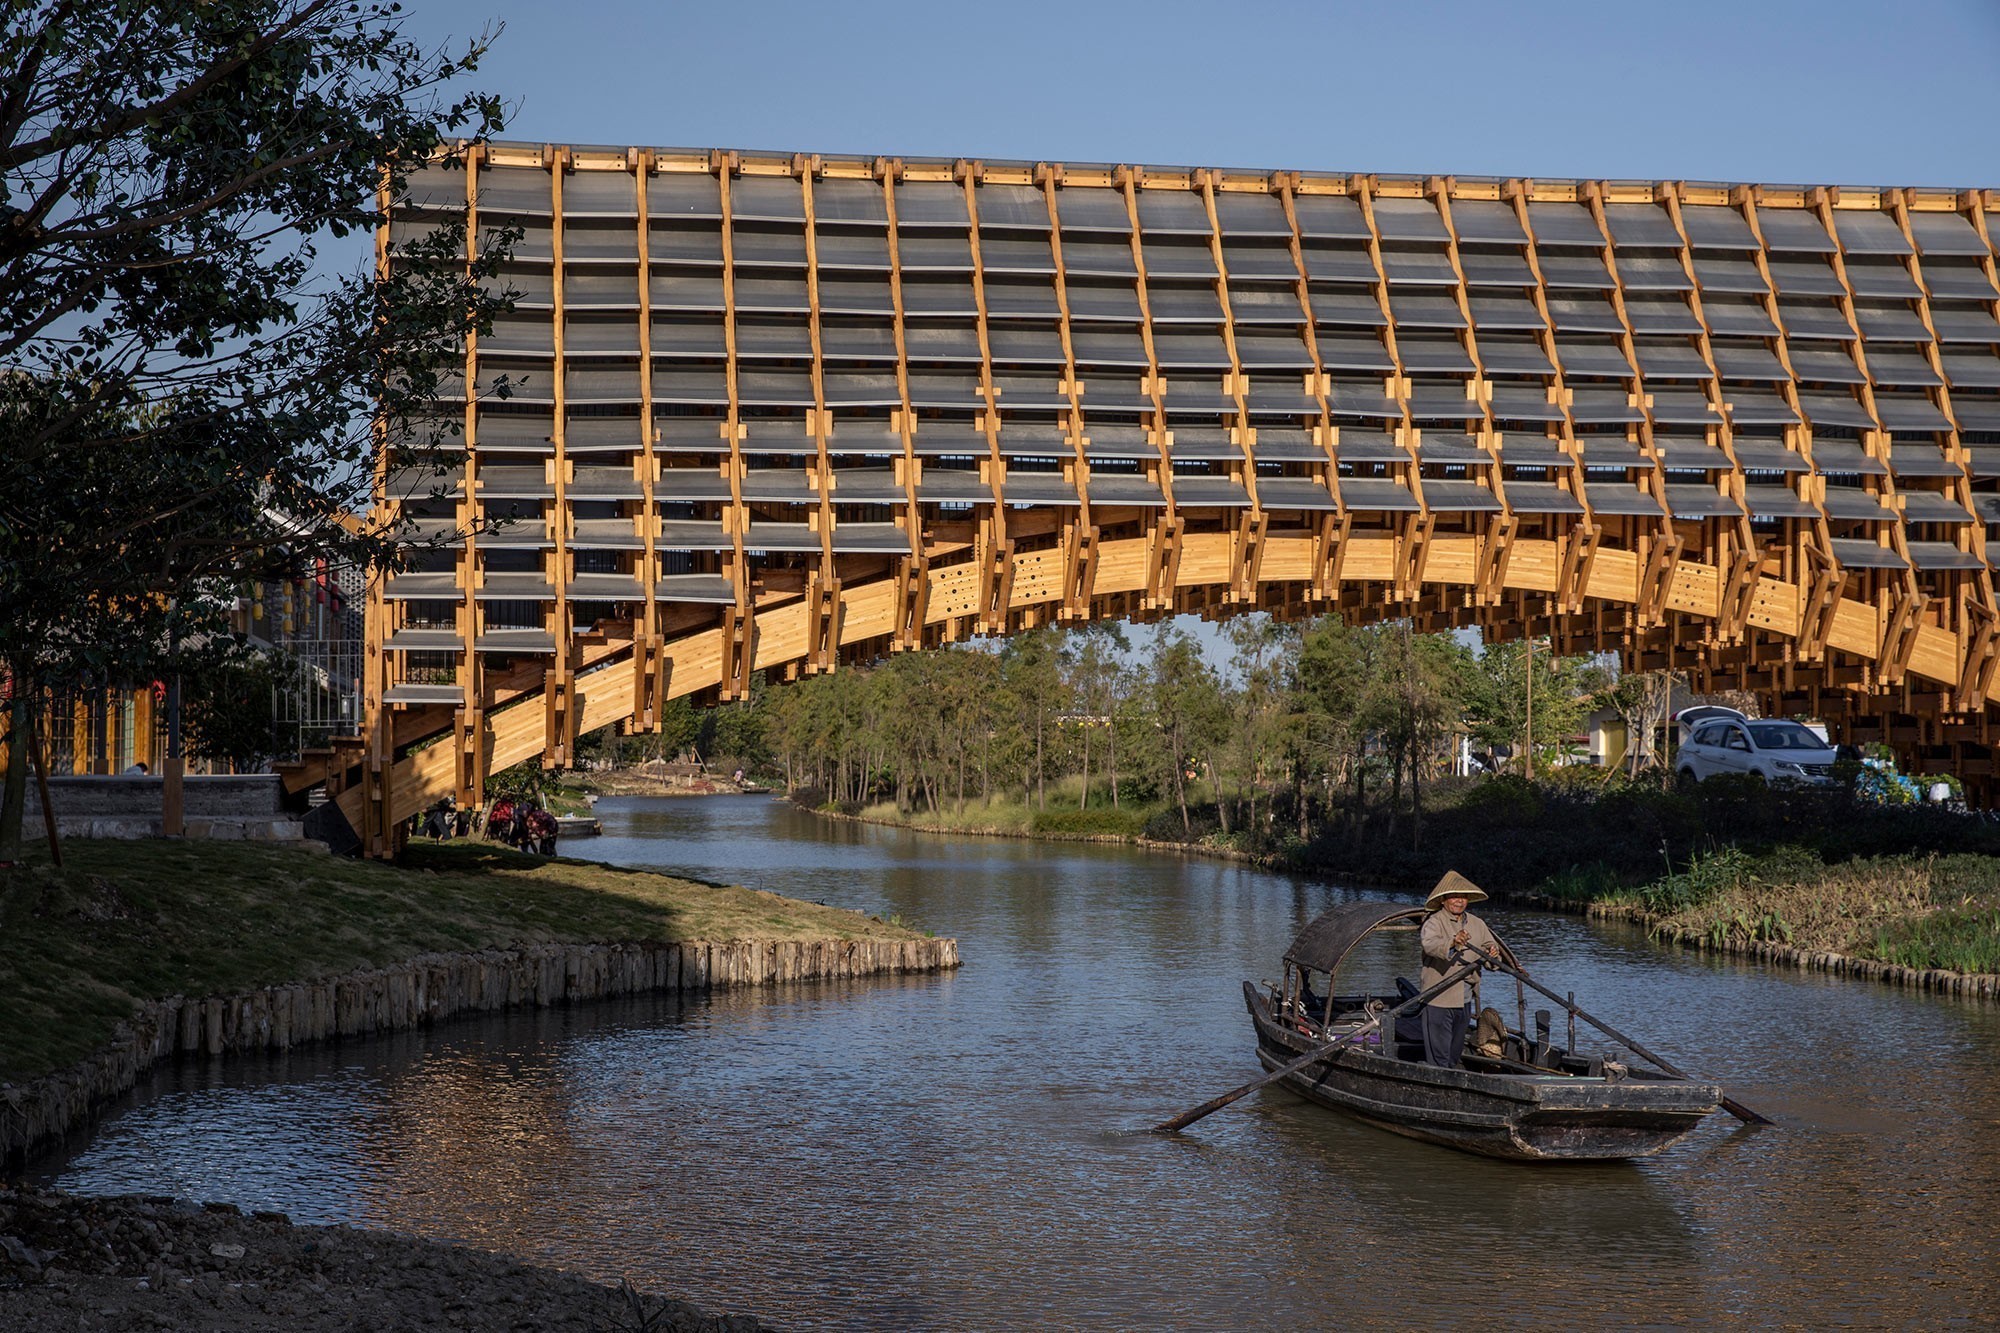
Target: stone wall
x=422 y=991
x=225 y=806
x=226 y=795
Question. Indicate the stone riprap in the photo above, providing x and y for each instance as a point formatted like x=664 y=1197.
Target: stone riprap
x=156 y=1263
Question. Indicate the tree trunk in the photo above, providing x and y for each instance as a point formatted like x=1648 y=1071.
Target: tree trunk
x=1111 y=743
x=48 y=806
x=1221 y=806
x=1041 y=793
x=1416 y=795
x=1180 y=788
x=1084 y=802
x=15 y=806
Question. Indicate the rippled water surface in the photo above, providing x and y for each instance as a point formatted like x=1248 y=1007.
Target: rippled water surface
x=951 y=1151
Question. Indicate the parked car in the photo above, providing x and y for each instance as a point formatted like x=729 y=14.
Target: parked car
x=1721 y=740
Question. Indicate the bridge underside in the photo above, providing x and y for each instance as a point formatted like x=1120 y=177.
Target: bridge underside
x=776 y=413
x=1879 y=671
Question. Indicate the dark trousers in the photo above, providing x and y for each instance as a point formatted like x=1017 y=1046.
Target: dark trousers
x=1444 y=1034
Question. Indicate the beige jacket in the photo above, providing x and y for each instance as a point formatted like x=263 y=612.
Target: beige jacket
x=1439 y=929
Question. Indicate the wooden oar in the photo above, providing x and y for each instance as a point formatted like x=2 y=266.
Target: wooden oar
x=1734 y=1107
x=1208 y=1108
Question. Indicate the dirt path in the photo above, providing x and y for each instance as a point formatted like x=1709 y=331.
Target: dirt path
x=68 y=1262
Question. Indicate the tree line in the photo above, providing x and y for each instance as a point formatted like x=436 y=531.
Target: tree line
x=1294 y=722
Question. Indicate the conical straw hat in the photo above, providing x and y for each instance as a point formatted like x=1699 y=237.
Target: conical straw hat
x=1455 y=885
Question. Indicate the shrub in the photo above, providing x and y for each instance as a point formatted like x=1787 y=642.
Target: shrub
x=1165 y=825
x=1504 y=800
x=1588 y=883
x=1095 y=823
x=1577 y=779
x=1706 y=878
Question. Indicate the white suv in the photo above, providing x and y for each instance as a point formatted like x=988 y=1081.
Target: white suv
x=1721 y=740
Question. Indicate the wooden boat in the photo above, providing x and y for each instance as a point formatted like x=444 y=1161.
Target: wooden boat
x=1533 y=1102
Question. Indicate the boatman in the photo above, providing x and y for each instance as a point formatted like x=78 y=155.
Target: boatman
x=1450 y=930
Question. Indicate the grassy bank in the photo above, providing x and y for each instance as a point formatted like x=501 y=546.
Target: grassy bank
x=1918 y=887
x=126 y=922
x=1062 y=813
x=1916 y=911
x=1728 y=862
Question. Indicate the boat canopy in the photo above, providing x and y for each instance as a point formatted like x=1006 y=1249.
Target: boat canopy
x=1332 y=934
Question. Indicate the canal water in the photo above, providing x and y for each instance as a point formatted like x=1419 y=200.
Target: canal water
x=954 y=1151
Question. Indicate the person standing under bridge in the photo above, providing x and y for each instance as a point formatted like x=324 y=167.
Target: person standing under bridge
x=1449 y=930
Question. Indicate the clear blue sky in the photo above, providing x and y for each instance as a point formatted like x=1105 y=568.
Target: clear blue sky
x=1794 y=91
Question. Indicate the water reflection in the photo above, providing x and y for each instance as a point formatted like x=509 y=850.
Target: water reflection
x=950 y=1151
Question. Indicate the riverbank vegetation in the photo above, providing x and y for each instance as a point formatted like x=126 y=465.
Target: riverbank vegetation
x=1299 y=721
x=1330 y=748
x=125 y=922
x=1725 y=862
x=1917 y=911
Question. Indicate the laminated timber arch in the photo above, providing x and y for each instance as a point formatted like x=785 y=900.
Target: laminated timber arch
x=774 y=413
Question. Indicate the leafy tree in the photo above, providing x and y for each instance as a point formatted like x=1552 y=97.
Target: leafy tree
x=1261 y=661
x=1031 y=673
x=1644 y=700
x=1330 y=690
x=1418 y=698
x=184 y=397
x=1190 y=713
x=1564 y=690
x=1090 y=656
x=226 y=717
x=1314 y=708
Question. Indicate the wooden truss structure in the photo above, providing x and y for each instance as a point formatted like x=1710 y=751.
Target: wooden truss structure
x=774 y=413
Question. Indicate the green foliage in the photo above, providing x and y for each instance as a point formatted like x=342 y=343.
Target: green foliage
x=188 y=392
x=1564 y=690
x=1707 y=876
x=1505 y=799
x=1593 y=881
x=1100 y=822
x=225 y=702
x=1964 y=939
x=527 y=780
x=1301 y=725
x=1952 y=784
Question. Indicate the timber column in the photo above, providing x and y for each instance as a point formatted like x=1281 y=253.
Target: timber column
x=378 y=760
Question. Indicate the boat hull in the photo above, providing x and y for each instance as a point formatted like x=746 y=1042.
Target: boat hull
x=1520 y=1117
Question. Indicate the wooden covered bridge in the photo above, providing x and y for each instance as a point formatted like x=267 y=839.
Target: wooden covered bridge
x=771 y=413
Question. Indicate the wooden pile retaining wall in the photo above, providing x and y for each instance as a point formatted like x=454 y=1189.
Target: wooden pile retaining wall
x=424 y=990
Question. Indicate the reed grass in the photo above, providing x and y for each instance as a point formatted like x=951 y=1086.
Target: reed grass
x=1937 y=911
